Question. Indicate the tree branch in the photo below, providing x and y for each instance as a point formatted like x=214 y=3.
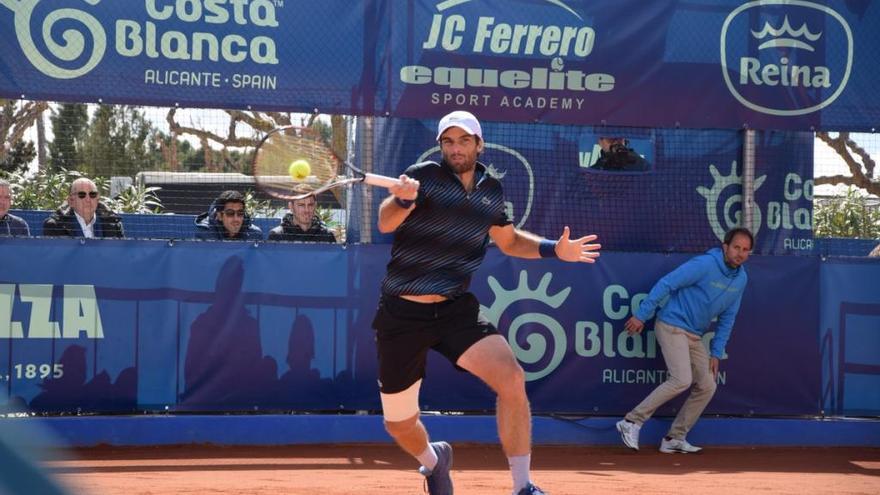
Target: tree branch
x=860 y=178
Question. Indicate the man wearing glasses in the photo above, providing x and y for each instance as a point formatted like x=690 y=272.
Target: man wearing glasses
x=227 y=220
x=83 y=215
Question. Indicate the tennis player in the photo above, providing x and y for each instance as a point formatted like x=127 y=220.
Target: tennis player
x=442 y=215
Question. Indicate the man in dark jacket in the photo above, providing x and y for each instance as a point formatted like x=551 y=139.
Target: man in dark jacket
x=10 y=224
x=83 y=215
x=301 y=224
x=616 y=156
x=227 y=219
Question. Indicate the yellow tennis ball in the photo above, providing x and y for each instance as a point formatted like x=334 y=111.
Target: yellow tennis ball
x=299 y=170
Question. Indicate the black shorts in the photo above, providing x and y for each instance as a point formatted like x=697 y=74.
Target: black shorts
x=405 y=330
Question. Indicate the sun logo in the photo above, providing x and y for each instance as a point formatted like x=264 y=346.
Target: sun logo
x=726 y=192
x=538 y=345
x=83 y=38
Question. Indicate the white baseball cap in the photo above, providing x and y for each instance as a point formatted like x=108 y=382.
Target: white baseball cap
x=461 y=119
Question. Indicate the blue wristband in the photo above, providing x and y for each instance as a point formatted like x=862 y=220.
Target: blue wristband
x=547 y=248
x=403 y=203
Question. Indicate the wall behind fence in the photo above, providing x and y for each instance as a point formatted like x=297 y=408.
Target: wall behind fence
x=711 y=64
x=123 y=326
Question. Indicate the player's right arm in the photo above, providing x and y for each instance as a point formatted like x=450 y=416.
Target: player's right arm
x=391 y=212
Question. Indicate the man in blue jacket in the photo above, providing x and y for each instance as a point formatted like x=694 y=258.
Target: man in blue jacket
x=706 y=286
x=10 y=225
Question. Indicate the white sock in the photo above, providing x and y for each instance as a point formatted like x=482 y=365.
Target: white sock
x=519 y=469
x=428 y=458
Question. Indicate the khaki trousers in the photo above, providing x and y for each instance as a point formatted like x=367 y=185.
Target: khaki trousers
x=688 y=364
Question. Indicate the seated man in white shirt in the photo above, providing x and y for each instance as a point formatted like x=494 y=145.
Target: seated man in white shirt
x=83 y=215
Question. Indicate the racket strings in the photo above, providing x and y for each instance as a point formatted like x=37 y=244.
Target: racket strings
x=281 y=149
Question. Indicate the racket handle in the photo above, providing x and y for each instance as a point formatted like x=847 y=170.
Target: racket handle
x=381 y=180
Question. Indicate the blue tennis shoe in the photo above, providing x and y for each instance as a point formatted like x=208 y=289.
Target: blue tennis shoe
x=439 y=479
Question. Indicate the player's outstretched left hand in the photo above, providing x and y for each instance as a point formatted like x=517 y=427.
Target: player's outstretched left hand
x=582 y=249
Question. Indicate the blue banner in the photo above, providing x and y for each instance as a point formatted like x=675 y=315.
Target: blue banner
x=850 y=336
x=686 y=196
x=777 y=64
x=122 y=326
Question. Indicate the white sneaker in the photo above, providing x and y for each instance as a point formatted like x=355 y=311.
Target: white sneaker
x=676 y=446
x=629 y=433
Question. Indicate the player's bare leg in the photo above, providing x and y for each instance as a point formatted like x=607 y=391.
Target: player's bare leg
x=410 y=434
x=492 y=361
x=436 y=458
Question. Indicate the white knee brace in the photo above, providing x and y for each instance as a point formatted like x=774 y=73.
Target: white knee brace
x=402 y=405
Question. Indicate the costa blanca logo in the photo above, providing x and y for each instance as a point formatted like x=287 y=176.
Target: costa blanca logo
x=724 y=201
x=211 y=35
x=75 y=41
x=544 y=349
x=786 y=57
x=513 y=170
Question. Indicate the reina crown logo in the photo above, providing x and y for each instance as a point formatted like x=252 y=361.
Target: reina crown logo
x=772 y=68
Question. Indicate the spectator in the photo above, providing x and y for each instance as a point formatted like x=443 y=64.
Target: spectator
x=83 y=215
x=301 y=224
x=227 y=219
x=10 y=225
x=616 y=156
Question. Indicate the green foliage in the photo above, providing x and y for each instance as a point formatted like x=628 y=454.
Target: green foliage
x=47 y=190
x=119 y=142
x=18 y=157
x=136 y=199
x=326 y=216
x=69 y=123
x=849 y=216
x=258 y=207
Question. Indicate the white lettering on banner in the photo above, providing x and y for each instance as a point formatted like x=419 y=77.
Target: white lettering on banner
x=80 y=313
x=254 y=81
x=541 y=102
x=182 y=78
x=161 y=77
x=460 y=99
x=527 y=39
x=510 y=39
x=257 y=12
x=649 y=377
x=785 y=75
x=547 y=339
x=779 y=56
x=85 y=39
x=175 y=45
x=549 y=45
x=537 y=78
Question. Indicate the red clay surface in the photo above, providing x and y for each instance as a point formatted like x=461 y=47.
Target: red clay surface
x=478 y=470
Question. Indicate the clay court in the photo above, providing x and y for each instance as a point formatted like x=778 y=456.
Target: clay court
x=478 y=470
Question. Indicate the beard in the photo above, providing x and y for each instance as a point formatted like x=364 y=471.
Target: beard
x=461 y=163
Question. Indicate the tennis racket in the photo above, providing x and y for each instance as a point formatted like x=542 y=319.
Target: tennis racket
x=287 y=145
